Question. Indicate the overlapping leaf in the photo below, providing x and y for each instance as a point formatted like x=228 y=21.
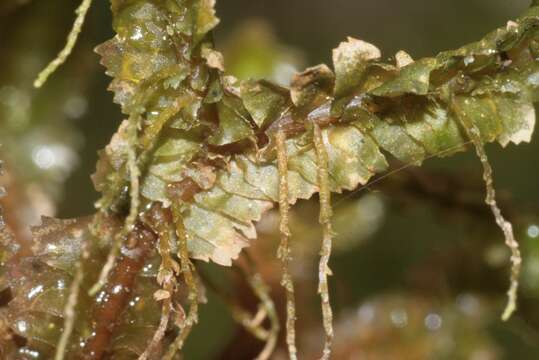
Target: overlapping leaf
x=213 y=149
x=40 y=287
x=165 y=70
x=206 y=140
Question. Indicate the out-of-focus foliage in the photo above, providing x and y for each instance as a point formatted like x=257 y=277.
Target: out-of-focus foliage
x=531 y=268
x=38 y=129
x=253 y=52
x=390 y=327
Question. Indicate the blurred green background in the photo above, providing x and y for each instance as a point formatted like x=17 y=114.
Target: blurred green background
x=423 y=271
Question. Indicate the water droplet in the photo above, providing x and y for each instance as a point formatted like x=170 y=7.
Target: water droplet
x=399 y=318
x=43 y=157
x=51 y=247
x=366 y=313
x=533 y=231
x=34 y=291
x=468 y=304
x=21 y=326
x=469 y=60
x=29 y=352
x=49 y=156
x=433 y=321
x=533 y=79
x=147 y=268
x=60 y=285
x=134 y=301
x=75 y=107
x=102 y=297
x=137 y=33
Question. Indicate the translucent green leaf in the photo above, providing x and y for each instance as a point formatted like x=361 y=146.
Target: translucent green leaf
x=222 y=165
x=351 y=60
x=264 y=101
x=40 y=285
x=233 y=122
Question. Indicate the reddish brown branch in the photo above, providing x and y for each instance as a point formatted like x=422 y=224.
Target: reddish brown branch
x=12 y=204
x=107 y=313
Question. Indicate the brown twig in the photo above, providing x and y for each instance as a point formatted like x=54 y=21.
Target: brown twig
x=141 y=240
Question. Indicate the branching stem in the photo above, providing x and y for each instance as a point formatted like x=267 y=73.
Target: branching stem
x=106 y=316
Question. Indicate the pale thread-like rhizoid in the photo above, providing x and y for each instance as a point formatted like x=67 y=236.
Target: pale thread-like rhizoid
x=134 y=196
x=62 y=56
x=165 y=277
x=186 y=268
x=490 y=199
x=283 y=252
x=327 y=237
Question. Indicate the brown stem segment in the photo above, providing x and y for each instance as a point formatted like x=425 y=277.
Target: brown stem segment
x=118 y=292
x=12 y=199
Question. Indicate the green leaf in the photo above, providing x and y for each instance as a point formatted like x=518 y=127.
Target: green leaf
x=221 y=166
x=413 y=79
x=41 y=283
x=233 y=122
x=351 y=60
x=313 y=86
x=204 y=143
x=264 y=101
x=8 y=248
